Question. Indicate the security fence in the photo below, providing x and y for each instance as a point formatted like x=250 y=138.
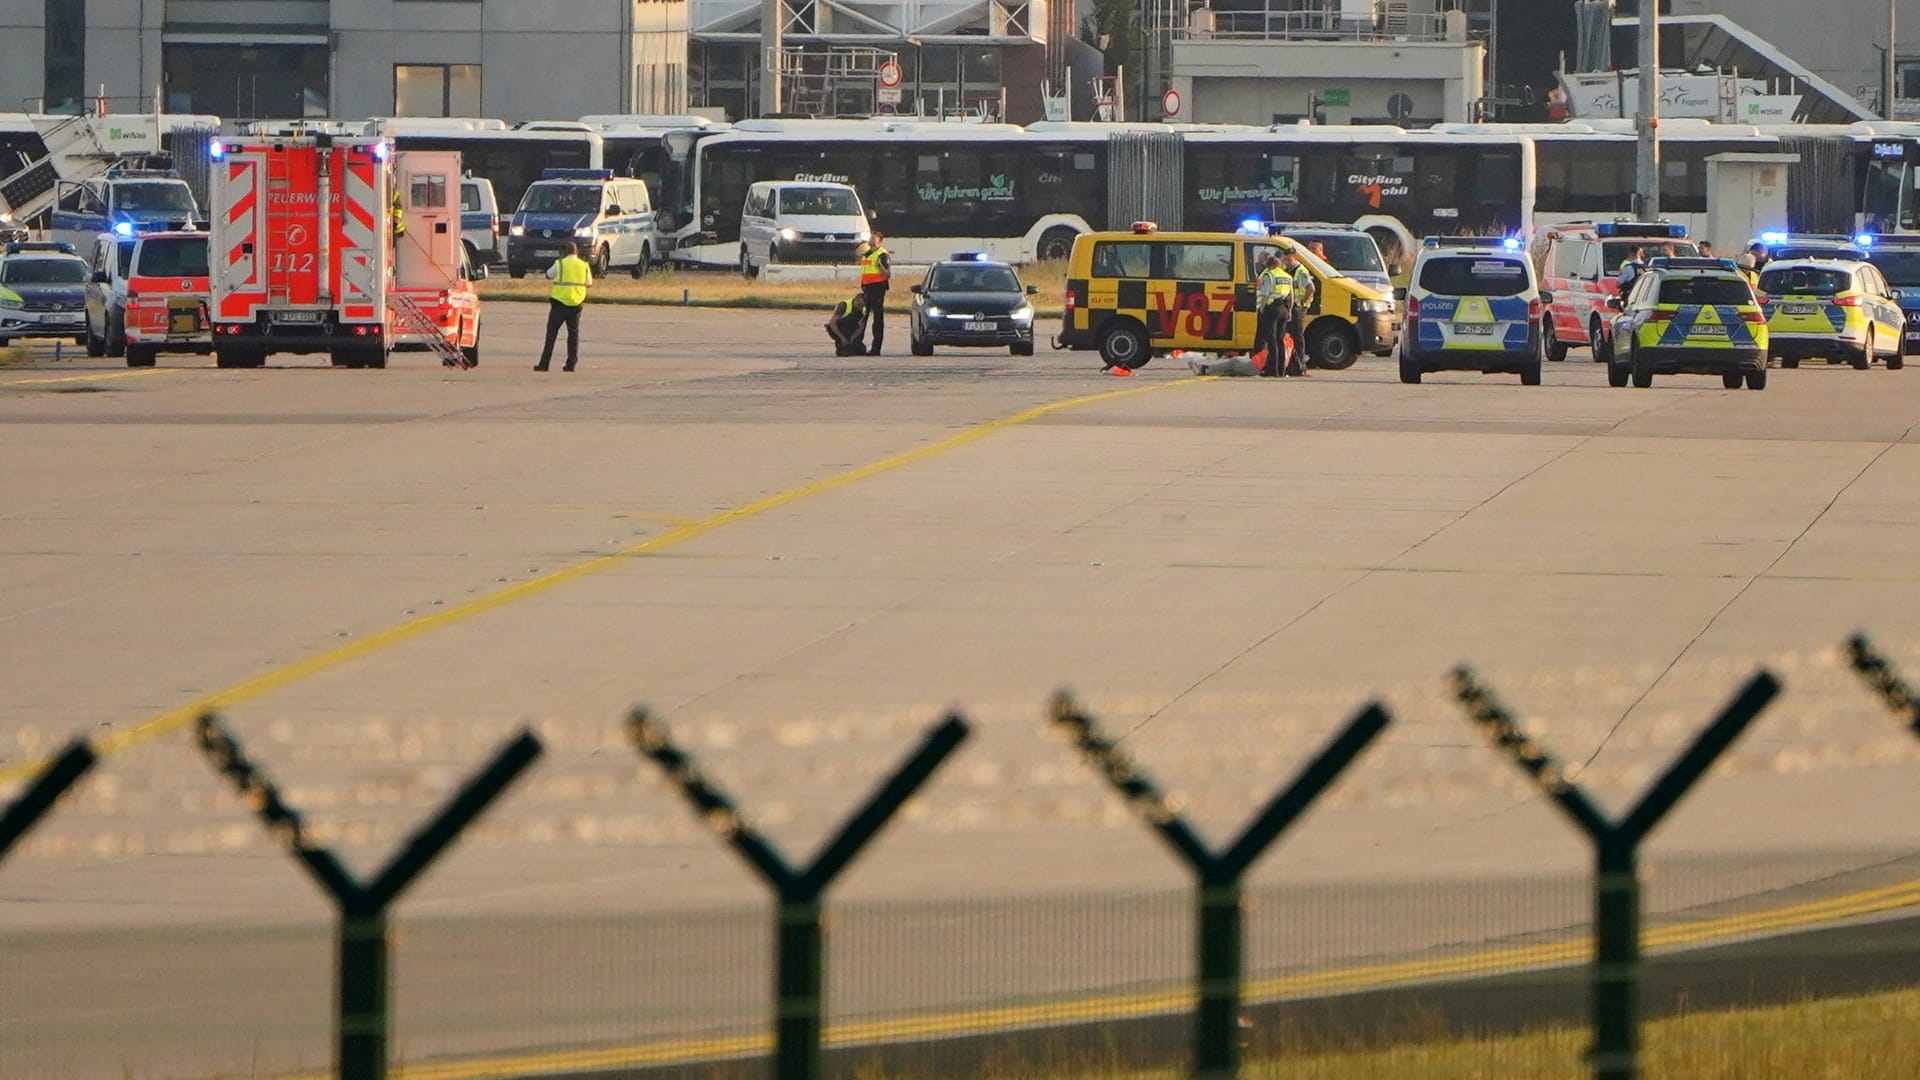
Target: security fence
x=1226 y=921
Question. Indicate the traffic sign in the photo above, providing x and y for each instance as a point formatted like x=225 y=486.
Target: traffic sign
x=890 y=74
x=1170 y=102
x=1337 y=96
x=889 y=95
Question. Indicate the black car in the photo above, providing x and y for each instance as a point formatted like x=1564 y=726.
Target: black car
x=968 y=300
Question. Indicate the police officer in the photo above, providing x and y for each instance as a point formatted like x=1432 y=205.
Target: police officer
x=1273 y=301
x=398 y=214
x=1630 y=269
x=570 y=276
x=876 y=271
x=843 y=326
x=1305 y=291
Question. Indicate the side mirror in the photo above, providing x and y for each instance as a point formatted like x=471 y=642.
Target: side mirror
x=1546 y=298
x=1033 y=290
x=915 y=289
x=1615 y=303
x=1400 y=293
x=1895 y=293
x=614 y=211
x=99 y=277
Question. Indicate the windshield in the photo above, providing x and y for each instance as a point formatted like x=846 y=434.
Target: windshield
x=1348 y=252
x=972 y=279
x=836 y=202
x=154 y=197
x=1473 y=276
x=1614 y=253
x=171 y=257
x=1901 y=268
x=562 y=199
x=1705 y=290
x=44 y=272
x=1805 y=281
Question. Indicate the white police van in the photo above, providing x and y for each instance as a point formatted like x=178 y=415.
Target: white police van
x=124 y=202
x=1473 y=304
x=609 y=218
x=480 y=222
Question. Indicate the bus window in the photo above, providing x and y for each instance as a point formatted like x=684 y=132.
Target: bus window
x=946 y=185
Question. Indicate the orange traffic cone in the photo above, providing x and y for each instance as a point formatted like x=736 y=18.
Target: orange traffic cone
x=1117 y=370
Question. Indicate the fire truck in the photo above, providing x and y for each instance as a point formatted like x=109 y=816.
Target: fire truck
x=342 y=246
x=1580 y=265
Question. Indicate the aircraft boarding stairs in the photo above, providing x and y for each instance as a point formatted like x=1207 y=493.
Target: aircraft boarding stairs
x=74 y=152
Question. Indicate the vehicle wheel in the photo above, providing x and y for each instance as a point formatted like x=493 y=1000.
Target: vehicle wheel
x=1642 y=376
x=1896 y=361
x=1409 y=369
x=918 y=347
x=376 y=357
x=1056 y=244
x=472 y=353
x=95 y=346
x=601 y=258
x=116 y=337
x=516 y=273
x=1123 y=344
x=228 y=358
x=1556 y=351
x=1616 y=375
x=473 y=253
x=1732 y=380
x=1757 y=380
x=141 y=355
x=1789 y=361
x=344 y=357
x=81 y=340
x=1865 y=359
x=646 y=262
x=1021 y=350
x=1530 y=375
x=1332 y=345
x=1597 y=343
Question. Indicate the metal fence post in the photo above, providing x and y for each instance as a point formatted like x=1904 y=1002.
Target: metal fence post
x=43 y=791
x=799 y=1007
x=361 y=942
x=1615 y=1054
x=1219 y=953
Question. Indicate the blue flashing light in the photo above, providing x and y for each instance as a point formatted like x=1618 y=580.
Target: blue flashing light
x=969 y=256
x=217 y=150
x=1511 y=244
x=1658 y=229
x=1253 y=226
x=1772 y=237
x=382 y=150
x=125 y=228
x=1864 y=240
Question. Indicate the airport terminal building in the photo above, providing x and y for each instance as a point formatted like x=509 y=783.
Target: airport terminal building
x=345 y=58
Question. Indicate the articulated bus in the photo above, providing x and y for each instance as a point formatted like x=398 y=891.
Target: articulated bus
x=512 y=157
x=1023 y=194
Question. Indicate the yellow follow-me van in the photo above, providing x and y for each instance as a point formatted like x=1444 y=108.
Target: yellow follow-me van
x=1142 y=293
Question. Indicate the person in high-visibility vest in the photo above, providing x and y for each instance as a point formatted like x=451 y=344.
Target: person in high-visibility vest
x=571 y=276
x=1304 y=294
x=1273 y=302
x=876 y=271
x=399 y=215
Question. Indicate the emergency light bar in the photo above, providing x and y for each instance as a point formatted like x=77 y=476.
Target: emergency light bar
x=1144 y=226
x=19 y=246
x=1665 y=229
x=1683 y=262
x=576 y=174
x=969 y=256
x=1504 y=243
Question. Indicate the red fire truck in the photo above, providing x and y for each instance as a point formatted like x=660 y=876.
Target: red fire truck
x=306 y=256
x=1580 y=266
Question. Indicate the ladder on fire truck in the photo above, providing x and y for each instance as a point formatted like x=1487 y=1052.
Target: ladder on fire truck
x=409 y=320
x=74 y=152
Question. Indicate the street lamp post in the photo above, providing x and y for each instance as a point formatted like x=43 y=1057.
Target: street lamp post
x=1890 y=69
x=1646 y=171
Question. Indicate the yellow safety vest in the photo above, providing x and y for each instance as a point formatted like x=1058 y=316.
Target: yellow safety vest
x=1279 y=284
x=570 y=283
x=399 y=216
x=1302 y=279
x=871 y=272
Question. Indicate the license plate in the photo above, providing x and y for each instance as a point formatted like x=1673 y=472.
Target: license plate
x=1708 y=331
x=980 y=326
x=1478 y=329
x=297 y=316
x=1797 y=309
x=67 y=320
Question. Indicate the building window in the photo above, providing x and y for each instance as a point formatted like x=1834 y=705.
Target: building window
x=436 y=89
x=1909 y=78
x=66 y=41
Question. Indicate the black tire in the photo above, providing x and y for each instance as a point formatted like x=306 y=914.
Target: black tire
x=344 y=357
x=376 y=357
x=918 y=347
x=1642 y=377
x=1789 y=361
x=1864 y=360
x=516 y=273
x=1055 y=245
x=1732 y=380
x=1556 y=351
x=472 y=353
x=228 y=358
x=747 y=269
x=1757 y=380
x=1409 y=369
x=1332 y=345
x=1597 y=343
x=141 y=355
x=81 y=340
x=646 y=263
x=1896 y=361
x=602 y=258
x=1616 y=375
x=473 y=253
x=1530 y=375
x=1021 y=350
x=116 y=336
x=96 y=347
x=1123 y=344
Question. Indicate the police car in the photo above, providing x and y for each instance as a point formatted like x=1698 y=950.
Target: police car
x=43 y=293
x=969 y=300
x=609 y=219
x=1784 y=245
x=1689 y=317
x=1473 y=304
x=1837 y=309
x=1898 y=260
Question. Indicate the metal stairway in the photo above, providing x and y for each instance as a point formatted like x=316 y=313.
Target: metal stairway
x=74 y=152
x=411 y=322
